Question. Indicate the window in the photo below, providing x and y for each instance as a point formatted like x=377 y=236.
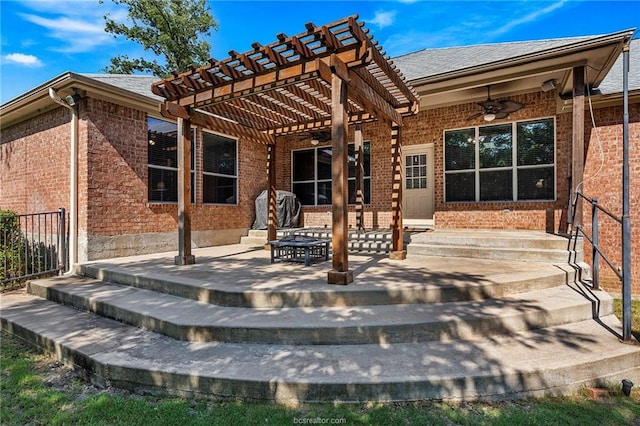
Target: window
x=162 y=159
x=219 y=169
x=504 y=162
x=311 y=174
x=416 y=171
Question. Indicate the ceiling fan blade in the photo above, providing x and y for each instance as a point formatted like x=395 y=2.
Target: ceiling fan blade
x=501 y=115
x=476 y=115
x=509 y=106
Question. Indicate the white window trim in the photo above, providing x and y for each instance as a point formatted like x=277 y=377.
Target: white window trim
x=158 y=167
x=236 y=171
x=514 y=166
x=315 y=173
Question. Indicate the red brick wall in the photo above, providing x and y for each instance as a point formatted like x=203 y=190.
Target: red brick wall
x=118 y=175
x=428 y=127
x=34 y=163
x=603 y=180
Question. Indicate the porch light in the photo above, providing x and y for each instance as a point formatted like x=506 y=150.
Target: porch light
x=489 y=117
x=315 y=142
x=548 y=85
x=72 y=100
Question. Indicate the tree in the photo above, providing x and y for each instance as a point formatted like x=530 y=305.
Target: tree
x=172 y=29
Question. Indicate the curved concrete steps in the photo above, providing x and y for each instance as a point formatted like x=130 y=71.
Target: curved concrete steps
x=186 y=319
x=553 y=360
x=235 y=326
x=417 y=280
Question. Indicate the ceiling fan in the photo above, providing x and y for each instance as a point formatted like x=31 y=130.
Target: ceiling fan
x=492 y=109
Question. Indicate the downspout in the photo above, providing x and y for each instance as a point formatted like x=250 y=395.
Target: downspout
x=73 y=180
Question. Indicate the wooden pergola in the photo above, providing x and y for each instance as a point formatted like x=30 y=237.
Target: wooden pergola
x=330 y=76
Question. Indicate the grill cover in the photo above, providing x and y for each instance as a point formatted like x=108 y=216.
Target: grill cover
x=287 y=210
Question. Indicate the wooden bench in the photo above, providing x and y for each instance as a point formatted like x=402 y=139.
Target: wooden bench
x=299 y=248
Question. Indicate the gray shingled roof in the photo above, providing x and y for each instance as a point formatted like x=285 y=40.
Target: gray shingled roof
x=612 y=83
x=140 y=84
x=431 y=62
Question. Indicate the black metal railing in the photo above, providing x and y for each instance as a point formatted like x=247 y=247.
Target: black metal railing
x=597 y=253
x=32 y=245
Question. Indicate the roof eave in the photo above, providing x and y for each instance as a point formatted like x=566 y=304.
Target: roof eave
x=37 y=100
x=466 y=76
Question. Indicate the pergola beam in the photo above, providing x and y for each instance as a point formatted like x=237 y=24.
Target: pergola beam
x=326 y=77
x=359 y=90
x=202 y=119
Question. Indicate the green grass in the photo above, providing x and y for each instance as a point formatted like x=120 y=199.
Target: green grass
x=35 y=390
x=635 y=315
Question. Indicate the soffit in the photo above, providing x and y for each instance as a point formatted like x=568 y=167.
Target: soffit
x=524 y=73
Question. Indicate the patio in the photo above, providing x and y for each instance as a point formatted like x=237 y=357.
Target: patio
x=245 y=274
x=236 y=326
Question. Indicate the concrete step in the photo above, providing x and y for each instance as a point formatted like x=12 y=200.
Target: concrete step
x=372 y=241
x=493 y=238
x=554 y=360
x=527 y=246
x=255 y=238
x=426 y=280
x=496 y=253
x=187 y=319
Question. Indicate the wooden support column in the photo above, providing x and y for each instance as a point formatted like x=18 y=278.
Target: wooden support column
x=359 y=189
x=397 y=240
x=184 y=256
x=577 y=151
x=272 y=221
x=339 y=184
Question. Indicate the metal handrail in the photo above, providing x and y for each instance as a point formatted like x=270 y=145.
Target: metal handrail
x=596 y=252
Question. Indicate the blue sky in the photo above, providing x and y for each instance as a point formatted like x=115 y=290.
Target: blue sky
x=40 y=39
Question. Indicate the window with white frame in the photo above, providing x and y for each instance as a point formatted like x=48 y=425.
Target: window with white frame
x=311 y=174
x=162 y=160
x=219 y=169
x=501 y=162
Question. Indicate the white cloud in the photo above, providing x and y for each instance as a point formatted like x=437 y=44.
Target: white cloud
x=75 y=25
x=530 y=17
x=383 y=19
x=22 y=59
x=74 y=35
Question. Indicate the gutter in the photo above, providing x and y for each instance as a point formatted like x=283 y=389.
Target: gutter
x=618 y=38
x=73 y=180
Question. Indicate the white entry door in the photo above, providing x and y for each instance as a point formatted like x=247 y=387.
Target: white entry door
x=418 y=190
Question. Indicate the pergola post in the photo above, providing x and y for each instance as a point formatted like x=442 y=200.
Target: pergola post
x=184 y=256
x=359 y=187
x=577 y=150
x=340 y=274
x=397 y=240
x=271 y=194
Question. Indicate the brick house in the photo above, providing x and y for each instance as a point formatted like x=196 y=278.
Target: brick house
x=489 y=171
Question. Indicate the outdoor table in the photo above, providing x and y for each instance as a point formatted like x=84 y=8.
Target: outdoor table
x=299 y=248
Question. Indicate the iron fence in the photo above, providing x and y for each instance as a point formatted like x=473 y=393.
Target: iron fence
x=32 y=245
